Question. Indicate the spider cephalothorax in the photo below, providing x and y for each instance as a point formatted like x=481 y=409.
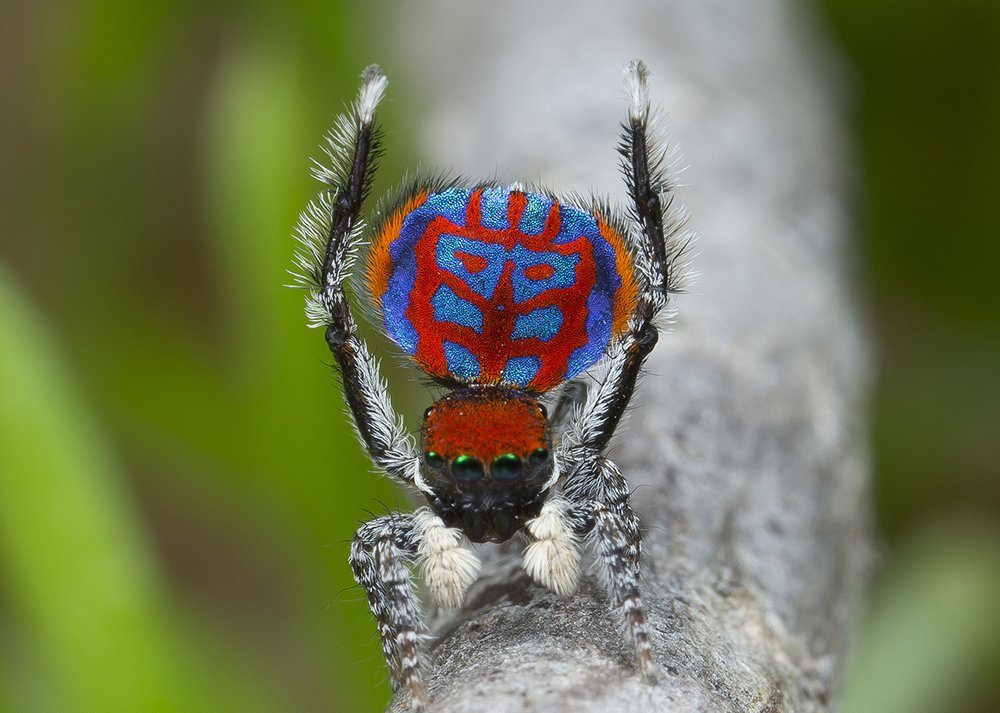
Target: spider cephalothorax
x=487 y=460
x=503 y=295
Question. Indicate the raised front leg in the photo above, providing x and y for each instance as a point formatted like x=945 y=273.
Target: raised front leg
x=659 y=248
x=329 y=230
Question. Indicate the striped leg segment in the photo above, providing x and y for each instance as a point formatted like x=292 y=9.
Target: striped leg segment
x=602 y=510
x=617 y=542
x=381 y=550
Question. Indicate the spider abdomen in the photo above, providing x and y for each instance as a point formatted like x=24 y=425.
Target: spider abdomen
x=495 y=285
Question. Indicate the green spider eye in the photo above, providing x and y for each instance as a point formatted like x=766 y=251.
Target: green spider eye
x=467 y=468
x=506 y=467
x=434 y=459
x=538 y=456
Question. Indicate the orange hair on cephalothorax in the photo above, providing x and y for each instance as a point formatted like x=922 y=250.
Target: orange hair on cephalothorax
x=379 y=267
x=485 y=424
x=628 y=292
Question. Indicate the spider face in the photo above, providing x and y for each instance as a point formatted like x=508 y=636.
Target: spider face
x=486 y=457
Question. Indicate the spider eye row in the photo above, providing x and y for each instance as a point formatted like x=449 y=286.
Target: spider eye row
x=506 y=466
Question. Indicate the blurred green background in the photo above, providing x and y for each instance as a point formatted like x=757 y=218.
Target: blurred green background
x=177 y=481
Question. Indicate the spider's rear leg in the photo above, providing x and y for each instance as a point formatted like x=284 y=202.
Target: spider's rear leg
x=600 y=496
x=380 y=552
x=330 y=230
x=617 y=540
x=659 y=246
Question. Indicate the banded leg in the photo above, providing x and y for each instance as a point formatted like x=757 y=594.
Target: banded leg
x=329 y=231
x=380 y=552
x=600 y=496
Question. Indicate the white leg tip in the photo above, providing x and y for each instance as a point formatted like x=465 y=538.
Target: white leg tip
x=636 y=84
x=373 y=84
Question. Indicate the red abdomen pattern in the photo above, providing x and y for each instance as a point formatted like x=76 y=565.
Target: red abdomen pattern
x=500 y=286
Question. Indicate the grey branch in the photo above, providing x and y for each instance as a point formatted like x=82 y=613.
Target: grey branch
x=746 y=444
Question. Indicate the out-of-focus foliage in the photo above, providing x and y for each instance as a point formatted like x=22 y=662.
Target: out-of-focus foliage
x=930 y=642
x=928 y=122
x=177 y=480
x=929 y=126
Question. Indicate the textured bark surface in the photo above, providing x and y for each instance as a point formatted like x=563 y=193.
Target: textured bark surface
x=746 y=443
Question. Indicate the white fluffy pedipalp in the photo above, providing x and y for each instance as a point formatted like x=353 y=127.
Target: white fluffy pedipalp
x=553 y=557
x=448 y=568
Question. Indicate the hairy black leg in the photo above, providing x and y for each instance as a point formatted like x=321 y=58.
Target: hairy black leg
x=379 y=556
x=594 y=485
x=647 y=184
x=659 y=245
x=329 y=230
x=367 y=394
x=600 y=496
x=606 y=403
